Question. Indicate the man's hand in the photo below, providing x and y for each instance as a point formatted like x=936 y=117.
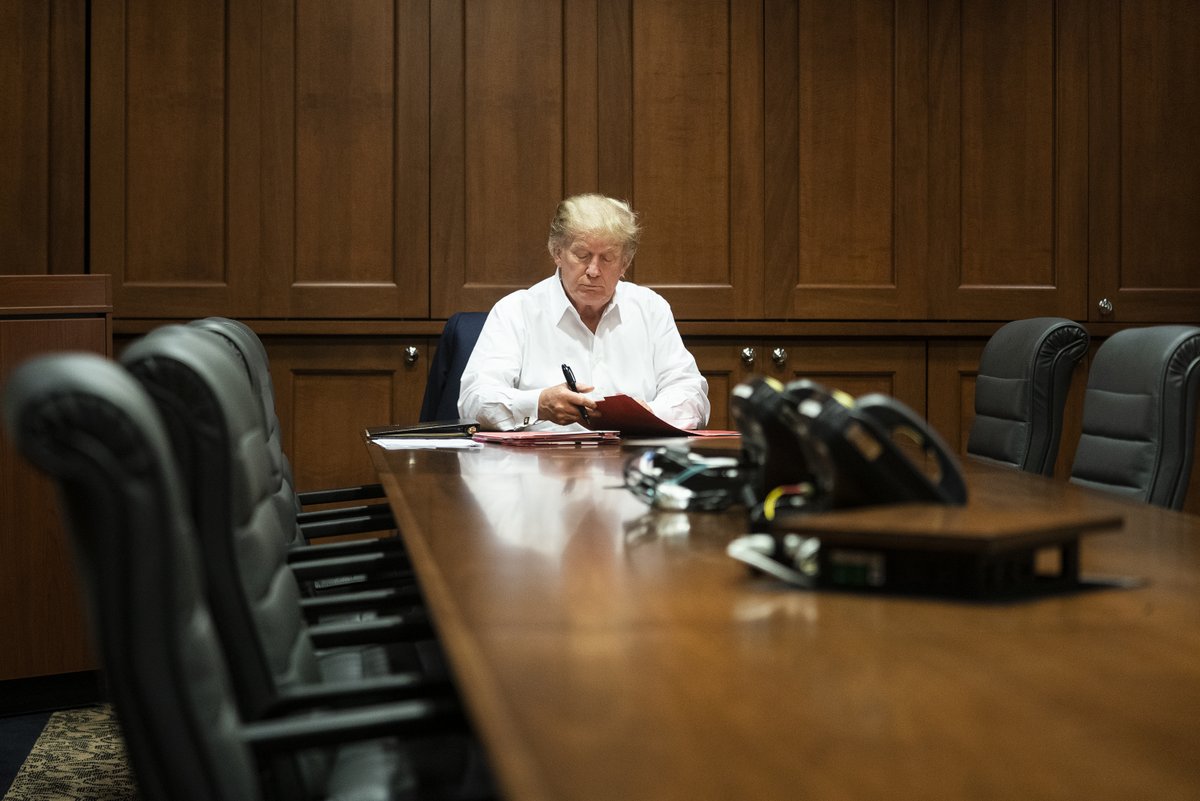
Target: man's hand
x=560 y=405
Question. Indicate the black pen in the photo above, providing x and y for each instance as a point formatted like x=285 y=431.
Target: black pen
x=570 y=376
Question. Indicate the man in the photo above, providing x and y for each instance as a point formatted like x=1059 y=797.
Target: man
x=617 y=337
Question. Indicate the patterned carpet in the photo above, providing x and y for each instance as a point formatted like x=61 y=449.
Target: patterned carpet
x=79 y=756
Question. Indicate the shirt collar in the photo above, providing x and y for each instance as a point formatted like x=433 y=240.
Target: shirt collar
x=564 y=303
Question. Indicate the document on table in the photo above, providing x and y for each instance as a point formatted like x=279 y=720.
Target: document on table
x=531 y=439
x=414 y=443
x=632 y=419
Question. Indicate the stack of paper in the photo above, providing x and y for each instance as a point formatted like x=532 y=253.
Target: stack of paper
x=548 y=438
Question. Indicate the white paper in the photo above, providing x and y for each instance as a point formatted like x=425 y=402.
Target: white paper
x=414 y=443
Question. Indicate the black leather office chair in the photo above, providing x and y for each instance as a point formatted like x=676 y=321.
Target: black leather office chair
x=279 y=662
x=459 y=336
x=311 y=524
x=329 y=566
x=1139 y=415
x=1020 y=391
x=87 y=423
x=214 y=424
x=206 y=402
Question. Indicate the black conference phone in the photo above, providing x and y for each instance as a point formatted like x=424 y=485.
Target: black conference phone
x=803 y=447
x=806 y=446
x=809 y=449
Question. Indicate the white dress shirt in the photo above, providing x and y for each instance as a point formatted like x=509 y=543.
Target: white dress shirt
x=531 y=333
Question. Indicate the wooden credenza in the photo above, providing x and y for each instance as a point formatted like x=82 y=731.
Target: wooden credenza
x=41 y=617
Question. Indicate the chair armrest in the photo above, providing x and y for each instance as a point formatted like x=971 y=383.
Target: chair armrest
x=371 y=563
x=359 y=693
x=353 y=524
x=390 y=546
x=405 y=719
x=414 y=625
x=380 y=510
x=362 y=601
x=341 y=494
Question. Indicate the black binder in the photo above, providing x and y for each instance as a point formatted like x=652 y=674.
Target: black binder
x=434 y=428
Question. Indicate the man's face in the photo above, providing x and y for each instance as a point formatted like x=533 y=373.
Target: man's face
x=590 y=267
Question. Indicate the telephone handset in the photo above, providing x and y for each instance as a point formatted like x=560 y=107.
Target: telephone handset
x=805 y=445
x=773 y=455
x=871 y=467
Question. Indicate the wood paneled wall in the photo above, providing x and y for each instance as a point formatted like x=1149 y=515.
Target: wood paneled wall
x=1143 y=162
x=43 y=78
x=261 y=158
x=41 y=617
x=345 y=175
x=850 y=160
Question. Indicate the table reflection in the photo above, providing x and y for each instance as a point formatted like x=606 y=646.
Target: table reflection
x=587 y=495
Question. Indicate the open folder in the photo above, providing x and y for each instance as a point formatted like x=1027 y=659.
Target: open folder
x=632 y=419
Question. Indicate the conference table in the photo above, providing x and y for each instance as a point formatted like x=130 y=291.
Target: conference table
x=607 y=650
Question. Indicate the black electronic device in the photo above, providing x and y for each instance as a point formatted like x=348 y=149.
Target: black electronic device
x=775 y=457
x=807 y=449
x=869 y=465
x=804 y=445
x=678 y=479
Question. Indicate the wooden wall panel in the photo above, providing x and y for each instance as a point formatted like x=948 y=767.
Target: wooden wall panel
x=859 y=367
x=1007 y=161
x=845 y=185
x=613 y=21
x=41 y=614
x=681 y=101
x=175 y=55
x=328 y=391
x=874 y=159
x=1008 y=218
x=344 y=90
x=42 y=77
x=1145 y=167
x=498 y=120
x=697 y=153
x=345 y=117
x=174 y=193
x=24 y=156
x=325 y=454
x=263 y=158
x=953 y=367
x=720 y=366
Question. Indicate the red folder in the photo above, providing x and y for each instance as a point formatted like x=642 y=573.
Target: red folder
x=632 y=419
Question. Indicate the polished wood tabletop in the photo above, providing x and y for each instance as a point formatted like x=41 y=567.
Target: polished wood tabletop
x=610 y=651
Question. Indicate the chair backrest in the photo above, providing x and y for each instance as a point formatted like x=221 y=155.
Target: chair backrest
x=459 y=336
x=252 y=355
x=213 y=419
x=92 y=428
x=1139 y=415
x=1020 y=391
